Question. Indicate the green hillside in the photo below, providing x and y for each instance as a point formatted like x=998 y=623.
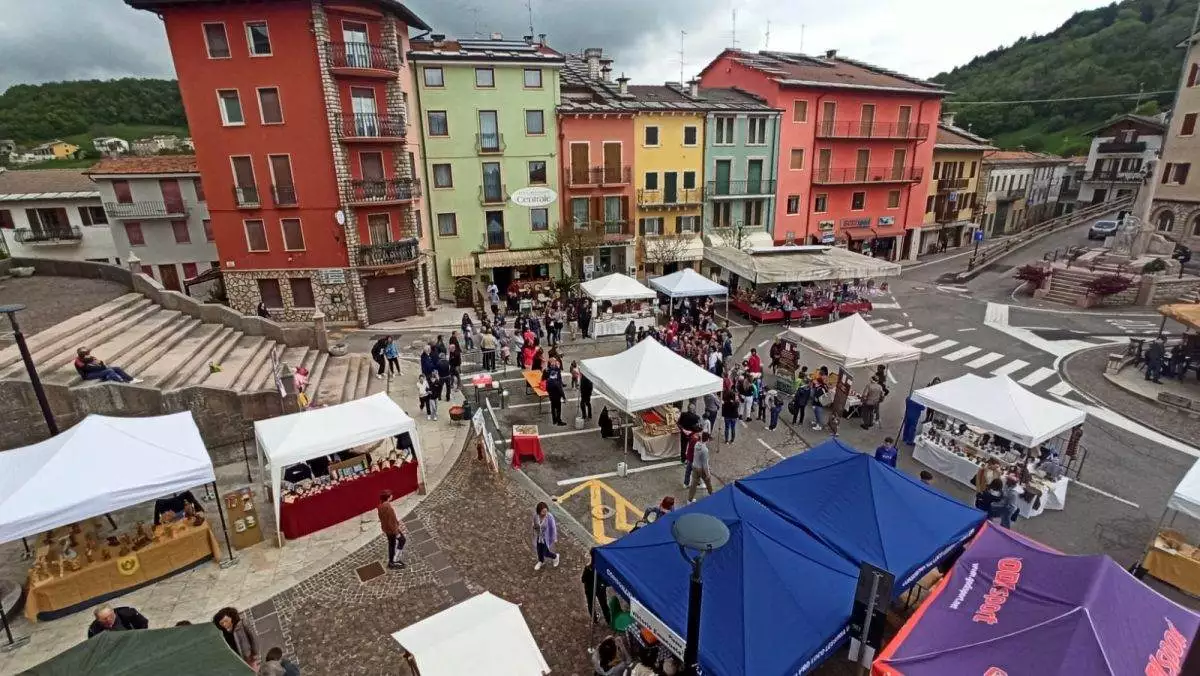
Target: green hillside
x=1116 y=49
x=31 y=114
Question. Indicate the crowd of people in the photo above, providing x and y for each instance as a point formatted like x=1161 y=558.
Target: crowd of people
x=798 y=301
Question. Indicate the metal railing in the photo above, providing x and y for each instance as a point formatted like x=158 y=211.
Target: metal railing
x=1116 y=176
x=1011 y=194
x=386 y=190
x=714 y=189
x=496 y=194
x=850 y=175
x=247 y=196
x=952 y=184
x=389 y=253
x=494 y=241
x=361 y=56
x=1121 y=147
x=284 y=195
x=989 y=254
x=66 y=234
x=489 y=143
x=658 y=198
x=372 y=125
x=882 y=130
x=618 y=175
x=146 y=209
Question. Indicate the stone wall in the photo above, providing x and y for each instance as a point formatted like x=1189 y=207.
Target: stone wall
x=46 y=267
x=1167 y=289
x=332 y=299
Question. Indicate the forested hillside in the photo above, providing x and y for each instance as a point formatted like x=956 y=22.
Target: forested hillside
x=36 y=113
x=1111 y=50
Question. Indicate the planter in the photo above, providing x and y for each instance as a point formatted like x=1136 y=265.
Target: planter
x=21 y=272
x=338 y=350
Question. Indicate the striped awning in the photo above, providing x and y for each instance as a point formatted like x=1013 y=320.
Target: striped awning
x=508 y=259
x=462 y=267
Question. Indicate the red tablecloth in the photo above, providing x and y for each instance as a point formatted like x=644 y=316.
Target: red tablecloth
x=528 y=445
x=818 y=312
x=345 y=500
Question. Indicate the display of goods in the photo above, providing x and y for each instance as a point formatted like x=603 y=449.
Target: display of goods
x=525 y=430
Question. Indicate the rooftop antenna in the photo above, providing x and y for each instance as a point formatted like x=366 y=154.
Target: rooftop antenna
x=682 y=36
x=733 y=32
x=529 y=9
x=767 y=37
x=474 y=19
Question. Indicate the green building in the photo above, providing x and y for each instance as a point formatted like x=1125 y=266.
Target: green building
x=488 y=130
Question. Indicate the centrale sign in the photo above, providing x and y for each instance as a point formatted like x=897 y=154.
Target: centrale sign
x=534 y=197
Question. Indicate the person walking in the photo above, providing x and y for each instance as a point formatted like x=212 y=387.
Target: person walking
x=545 y=533
x=596 y=591
x=585 y=397
x=630 y=334
x=800 y=402
x=391 y=352
x=872 y=396
x=746 y=397
x=455 y=358
x=468 y=331
x=428 y=362
x=688 y=423
x=435 y=393
x=393 y=529
x=730 y=411
x=237 y=635
x=700 y=468
x=775 y=404
x=423 y=395
x=445 y=379
x=552 y=381
x=819 y=397
x=121 y=618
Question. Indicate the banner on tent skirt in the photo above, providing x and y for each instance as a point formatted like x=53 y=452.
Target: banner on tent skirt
x=649 y=620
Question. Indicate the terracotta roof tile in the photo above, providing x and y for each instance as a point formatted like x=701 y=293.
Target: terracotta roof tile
x=1019 y=156
x=30 y=181
x=831 y=70
x=151 y=164
x=953 y=136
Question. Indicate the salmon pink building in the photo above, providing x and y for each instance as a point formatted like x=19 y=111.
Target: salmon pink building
x=856 y=146
x=299 y=110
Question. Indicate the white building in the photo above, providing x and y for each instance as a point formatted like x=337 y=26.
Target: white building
x=1022 y=189
x=110 y=145
x=7 y=147
x=156 y=144
x=54 y=213
x=158 y=213
x=1122 y=149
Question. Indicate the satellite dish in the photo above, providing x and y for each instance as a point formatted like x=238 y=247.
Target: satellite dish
x=340 y=217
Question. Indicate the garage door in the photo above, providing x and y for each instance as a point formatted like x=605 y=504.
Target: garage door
x=390 y=297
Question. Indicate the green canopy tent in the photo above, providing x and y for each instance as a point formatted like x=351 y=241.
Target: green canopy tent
x=198 y=650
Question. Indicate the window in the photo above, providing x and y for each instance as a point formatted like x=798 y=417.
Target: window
x=6 y=220
x=281 y=177
x=268 y=289
x=797 y=159
x=533 y=78
x=443 y=176
x=858 y=201
x=189 y=270
x=1165 y=221
x=539 y=219
x=208 y=231
x=753 y=212
x=690 y=135
x=438 y=125
x=1189 y=125
x=756 y=128
x=929 y=204
x=198 y=186
x=434 y=77
x=722 y=214
x=147 y=270
x=1167 y=173
x=687 y=224
x=447 y=225
x=1196 y=227
x=293 y=234
x=689 y=180
x=535 y=123
x=379 y=227
x=269 y=107
x=93 y=215
x=1193 y=75
x=216 y=41
x=579 y=212
x=821 y=203
x=937 y=170
x=125 y=196
x=972 y=170
x=799 y=111
x=537 y=172
x=258 y=39
x=302 y=292
x=651 y=226
x=651 y=137
x=485 y=77
x=133 y=232
x=1181 y=172
x=243 y=181
x=651 y=180
x=612 y=209
x=893 y=199
x=724 y=131
x=180 y=230
x=256 y=235
x=231 y=107
x=793 y=204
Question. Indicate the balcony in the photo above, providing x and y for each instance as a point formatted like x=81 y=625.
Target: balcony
x=144 y=209
x=1121 y=147
x=69 y=234
x=734 y=189
x=388 y=253
x=658 y=199
x=372 y=127
x=493 y=194
x=864 y=175
x=857 y=129
x=361 y=59
x=597 y=176
x=496 y=241
x=952 y=184
x=1009 y=195
x=284 y=195
x=489 y=143
x=247 y=197
x=1116 y=176
x=382 y=191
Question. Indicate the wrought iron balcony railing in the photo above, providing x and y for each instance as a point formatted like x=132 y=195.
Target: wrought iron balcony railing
x=383 y=190
x=868 y=130
x=142 y=209
x=366 y=126
x=389 y=253
x=615 y=175
x=749 y=188
x=852 y=175
x=362 y=56
x=58 y=234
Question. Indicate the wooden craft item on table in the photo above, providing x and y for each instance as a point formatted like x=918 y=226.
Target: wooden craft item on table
x=90 y=555
x=126 y=544
x=71 y=565
x=142 y=538
x=192 y=516
x=105 y=555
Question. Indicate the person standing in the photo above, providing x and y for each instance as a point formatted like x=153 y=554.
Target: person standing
x=754 y=362
x=237 y=635
x=392 y=529
x=493 y=294
x=688 y=423
x=455 y=357
x=392 y=352
x=545 y=533
x=630 y=334
x=730 y=411
x=1154 y=360
x=468 y=330
x=435 y=393
x=700 y=468
x=122 y=618
x=775 y=403
x=887 y=453
x=818 y=395
x=872 y=396
x=423 y=395
x=262 y=310
x=596 y=591
x=377 y=353
x=487 y=344
x=585 y=397
x=552 y=381
x=746 y=396
x=445 y=379
x=428 y=362
x=800 y=401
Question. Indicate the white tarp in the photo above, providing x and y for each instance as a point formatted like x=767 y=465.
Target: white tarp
x=854 y=343
x=484 y=634
x=688 y=283
x=288 y=439
x=616 y=287
x=1186 y=497
x=792 y=264
x=647 y=375
x=1002 y=407
x=99 y=466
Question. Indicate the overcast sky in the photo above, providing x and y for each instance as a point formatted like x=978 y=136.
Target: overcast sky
x=47 y=40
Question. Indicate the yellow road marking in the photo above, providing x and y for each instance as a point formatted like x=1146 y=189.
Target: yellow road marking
x=625 y=513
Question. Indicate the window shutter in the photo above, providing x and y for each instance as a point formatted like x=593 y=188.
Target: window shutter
x=642 y=226
x=678 y=224
x=625 y=207
x=597 y=207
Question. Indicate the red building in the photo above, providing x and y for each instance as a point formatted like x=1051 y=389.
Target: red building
x=299 y=113
x=856 y=146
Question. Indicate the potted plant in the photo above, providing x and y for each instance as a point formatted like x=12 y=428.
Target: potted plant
x=1155 y=266
x=1103 y=286
x=1032 y=274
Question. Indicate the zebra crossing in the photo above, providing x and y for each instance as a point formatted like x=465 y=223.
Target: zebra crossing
x=985 y=363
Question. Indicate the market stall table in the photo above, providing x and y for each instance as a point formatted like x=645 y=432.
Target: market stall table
x=816 y=312
x=526 y=442
x=345 y=500
x=615 y=325
x=1173 y=560
x=655 y=447
x=963 y=470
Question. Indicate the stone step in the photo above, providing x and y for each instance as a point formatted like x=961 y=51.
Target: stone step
x=333 y=380
x=123 y=347
x=195 y=370
x=70 y=329
x=315 y=372
x=259 y=368
x=353 y=376
x=234 y=364
x=367 y=379
x=171 y=361
x=137 y=361
x=63 y=352
x=1057 y=297
x=292 y=356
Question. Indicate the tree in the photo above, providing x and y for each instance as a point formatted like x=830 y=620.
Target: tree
x=570 y=245
x=665 y=249
x=736 y=236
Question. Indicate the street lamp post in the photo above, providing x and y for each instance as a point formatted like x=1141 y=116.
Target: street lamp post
x=12 y=310
x=702 y=534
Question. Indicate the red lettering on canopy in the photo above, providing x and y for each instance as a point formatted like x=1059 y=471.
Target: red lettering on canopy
x=1008 y=574
x=1168 y=659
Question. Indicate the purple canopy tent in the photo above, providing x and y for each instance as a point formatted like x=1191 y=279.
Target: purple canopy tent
x=1011 y=606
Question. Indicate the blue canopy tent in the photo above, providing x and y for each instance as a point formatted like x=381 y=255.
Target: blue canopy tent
x=865 y=510
x=775 y=601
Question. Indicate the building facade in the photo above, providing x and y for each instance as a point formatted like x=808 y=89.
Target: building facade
x=54 y=213
x=1023 y=189
x=741 y=146
x=951 y=207
x=299 y=115
x=489 y=130
x=159 y=215
x=856 y=145
x=1122 y=151
x=54 y=150
x=1175 y=209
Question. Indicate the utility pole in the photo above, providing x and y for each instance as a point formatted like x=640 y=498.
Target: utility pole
x=801 y=38
x=529 y=9
x=733 y=31
x=767 y=37
x=682 y=35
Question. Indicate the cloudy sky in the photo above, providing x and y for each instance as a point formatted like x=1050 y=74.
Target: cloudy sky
x=51 y=40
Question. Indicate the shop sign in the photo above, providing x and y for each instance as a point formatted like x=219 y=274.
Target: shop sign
x=535 y=196
x=887 y=220
x=589 y=267
x=856 y=222
x=828 y=238
x=825 y=226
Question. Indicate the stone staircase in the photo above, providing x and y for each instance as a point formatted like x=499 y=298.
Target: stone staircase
x=1068 y=285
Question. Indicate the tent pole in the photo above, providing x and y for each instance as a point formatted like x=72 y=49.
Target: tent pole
x=11 y=644
x=1137 y=569
x=246 y=458
x=911 y=386
x=232 y=560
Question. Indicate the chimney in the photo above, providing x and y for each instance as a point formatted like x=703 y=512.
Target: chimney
x=541 y=38
x=694 y=88
x=438 y=39
x=529 y=39
x=831 y=54
x=592 y=56
x=948 y=119
x=606 y=73
x=497 y=36
x=623 y=85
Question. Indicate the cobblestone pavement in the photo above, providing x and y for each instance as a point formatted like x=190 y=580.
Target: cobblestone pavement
x=50 y=300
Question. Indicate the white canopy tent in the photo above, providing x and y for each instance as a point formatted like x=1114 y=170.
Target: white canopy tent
x=1186 y=497
x=688 y=283
x=854 y=343
x=290 y=439
x=1002 y=407
x=647 y=375
x=616 y=287
x=483 y=630
x=99 y=466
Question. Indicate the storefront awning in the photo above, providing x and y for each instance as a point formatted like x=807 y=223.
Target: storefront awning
x=1184 y=313
x=462 y=267
x=510 y=259
x=672 y=249
x=790 y=264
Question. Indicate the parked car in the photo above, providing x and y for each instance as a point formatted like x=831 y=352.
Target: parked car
x=1102 y=229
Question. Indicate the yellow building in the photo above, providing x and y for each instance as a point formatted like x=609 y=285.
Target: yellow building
x=55 y=150
x=953 y=201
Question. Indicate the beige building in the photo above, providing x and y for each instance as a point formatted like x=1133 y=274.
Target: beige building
x=952 y=203
x=1175 y=211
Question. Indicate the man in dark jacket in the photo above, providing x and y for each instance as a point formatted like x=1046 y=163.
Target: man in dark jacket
x=689 y=422
x=443 y=370
x=123 y=618
x=585 y=397
x=552 y=381
x=428 y=362
x=377 y=354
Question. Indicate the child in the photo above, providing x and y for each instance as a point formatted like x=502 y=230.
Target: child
x=423 y=395
x=575 y=375
x=505 y=354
